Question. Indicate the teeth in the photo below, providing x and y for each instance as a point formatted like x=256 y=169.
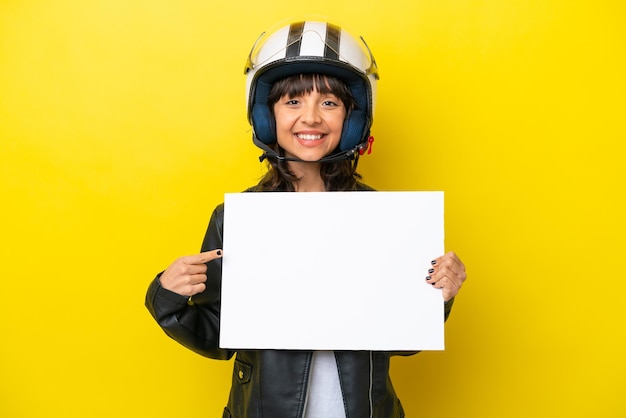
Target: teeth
x=309 y=137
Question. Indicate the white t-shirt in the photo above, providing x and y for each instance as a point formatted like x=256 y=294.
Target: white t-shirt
x=324 y=399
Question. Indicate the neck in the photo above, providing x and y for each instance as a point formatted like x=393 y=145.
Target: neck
x=309 y=176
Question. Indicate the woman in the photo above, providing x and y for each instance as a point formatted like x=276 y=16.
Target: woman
x=311 y=89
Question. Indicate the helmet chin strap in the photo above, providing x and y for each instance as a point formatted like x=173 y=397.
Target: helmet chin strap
x=338 y=156
x=343 y=155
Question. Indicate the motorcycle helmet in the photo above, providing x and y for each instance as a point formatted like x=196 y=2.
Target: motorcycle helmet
x=305 y=47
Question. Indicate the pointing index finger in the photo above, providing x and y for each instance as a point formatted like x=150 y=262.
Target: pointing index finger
x=204 y=257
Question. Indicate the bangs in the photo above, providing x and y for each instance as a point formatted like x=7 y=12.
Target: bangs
x=302 y=84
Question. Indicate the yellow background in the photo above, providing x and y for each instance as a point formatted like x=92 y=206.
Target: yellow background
x=122 y=123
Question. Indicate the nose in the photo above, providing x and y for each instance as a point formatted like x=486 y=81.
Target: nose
x=311 y=114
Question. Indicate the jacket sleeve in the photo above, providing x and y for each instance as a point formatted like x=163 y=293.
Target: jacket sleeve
x=194 y=324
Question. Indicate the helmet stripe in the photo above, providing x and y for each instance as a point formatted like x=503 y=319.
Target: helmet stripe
x=331 y=50
x=294 y=40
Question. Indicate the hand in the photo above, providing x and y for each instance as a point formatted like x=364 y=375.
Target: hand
x=448 y=274
x=187 y=275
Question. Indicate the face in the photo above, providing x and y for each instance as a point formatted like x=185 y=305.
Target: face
x=308 y=127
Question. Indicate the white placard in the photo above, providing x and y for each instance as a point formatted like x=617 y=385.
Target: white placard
x=331 y=271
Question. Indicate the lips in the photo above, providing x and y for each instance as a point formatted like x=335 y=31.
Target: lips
x=309 y=139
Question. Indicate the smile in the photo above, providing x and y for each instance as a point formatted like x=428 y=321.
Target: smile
x=309 y=137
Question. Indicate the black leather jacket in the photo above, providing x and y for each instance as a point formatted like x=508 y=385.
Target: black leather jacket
x=270 y=383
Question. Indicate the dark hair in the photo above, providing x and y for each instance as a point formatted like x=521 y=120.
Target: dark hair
x=337 y=175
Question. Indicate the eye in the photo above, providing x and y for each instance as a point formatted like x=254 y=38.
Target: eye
x=332 y=101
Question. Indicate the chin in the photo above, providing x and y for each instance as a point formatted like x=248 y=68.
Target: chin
x=311 y=158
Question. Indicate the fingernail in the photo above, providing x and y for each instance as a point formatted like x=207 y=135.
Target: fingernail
x=428 y=277
x=219 y=252
x=431 y=270
x=433 y=262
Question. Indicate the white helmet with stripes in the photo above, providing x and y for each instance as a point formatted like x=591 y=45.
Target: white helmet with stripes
x=312 y=47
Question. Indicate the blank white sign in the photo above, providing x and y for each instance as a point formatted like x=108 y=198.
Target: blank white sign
x=331 y=271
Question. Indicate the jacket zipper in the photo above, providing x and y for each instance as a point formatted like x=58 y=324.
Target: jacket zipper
x=371 y=388
x=308 y=384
